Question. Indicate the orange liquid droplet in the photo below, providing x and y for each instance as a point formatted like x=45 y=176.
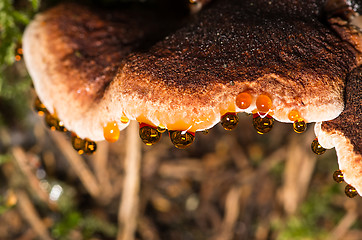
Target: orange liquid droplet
x=161 y=128
x=350 y=191
x=83 y=145
x=317 y=148
x=243 y=100
x=124 y=119
x=263 y=103
x=111 y=132
x=149 y=134
x=293 y=115
x=54 y=123
x=262 y=125
x=182 y=139
x=39 y=107
x=338 y=176
x=299 y=126
x=229 y=121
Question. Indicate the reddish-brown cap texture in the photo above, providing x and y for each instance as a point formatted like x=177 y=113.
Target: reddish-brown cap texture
x=91 y=68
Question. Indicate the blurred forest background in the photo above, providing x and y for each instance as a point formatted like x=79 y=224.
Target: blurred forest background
x=227 y=185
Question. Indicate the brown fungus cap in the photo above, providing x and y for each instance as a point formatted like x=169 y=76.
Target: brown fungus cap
x=85 y=66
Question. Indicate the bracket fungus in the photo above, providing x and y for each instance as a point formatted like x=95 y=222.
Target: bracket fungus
x=293 y=61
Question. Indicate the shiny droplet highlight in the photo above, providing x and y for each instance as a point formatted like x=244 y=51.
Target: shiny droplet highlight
x=229 y=121
x=54 y=123
x=338 y=176
x=263 y=103
x=182 y=139
x=350 y=191
x=111 y=132
x=262 y=125
x=149 y=134
x=243 y=100
x=299 y=126
x=317 y=148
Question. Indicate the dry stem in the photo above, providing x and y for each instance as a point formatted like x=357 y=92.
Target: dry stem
x=128 y=211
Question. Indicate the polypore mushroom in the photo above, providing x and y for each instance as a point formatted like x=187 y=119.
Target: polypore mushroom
x=286 y=60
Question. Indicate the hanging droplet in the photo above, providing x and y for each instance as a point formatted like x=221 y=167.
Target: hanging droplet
x=54 y=123
x=262 y=125
x=149 y=134
x=263 y=103
x=182 y=139
x=78 y=143
x=299 y=126
x=317 y=148
x=83 y=145
x=243 y=100
x=338 y=176
x=124 y=119
x=111 y=132
x=89 y=147
x=18 y=54
x=161 y=128
x=350 y=191
x=39 y=107
x=294 y=115
x=229 y=121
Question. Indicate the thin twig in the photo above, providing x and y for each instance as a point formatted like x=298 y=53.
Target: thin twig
x=78 y=164
x=29 y=213
x=100 y=162
x=128 y=211
x=232 y=211
x=346 y=222
x=22 y=161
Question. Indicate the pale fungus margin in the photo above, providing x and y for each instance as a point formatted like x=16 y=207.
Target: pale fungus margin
x=292 y=62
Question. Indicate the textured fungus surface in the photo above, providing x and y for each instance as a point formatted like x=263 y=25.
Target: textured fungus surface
x=302 y=55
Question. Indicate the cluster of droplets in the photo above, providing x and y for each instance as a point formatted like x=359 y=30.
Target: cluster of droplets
x=18 y=54
x=151 y=135
x=85 y=146
x=349 y=190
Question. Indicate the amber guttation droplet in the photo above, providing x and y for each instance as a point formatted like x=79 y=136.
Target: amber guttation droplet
x=317 y=148
x=161 y=128
x=229 y=121
x=263 y=103
x=124 y=119
x=89 y=147
x=78 y=143
x=18 y=54
x=149 y=134
x=262 y=125
x=39 y=107
x=111 y=132
x=83 y=145
x=338 y=176
x=182 y=139
x=350 y=191
x=293 y=115
x=243 y=100
x=54 y=123
x=299 y=126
